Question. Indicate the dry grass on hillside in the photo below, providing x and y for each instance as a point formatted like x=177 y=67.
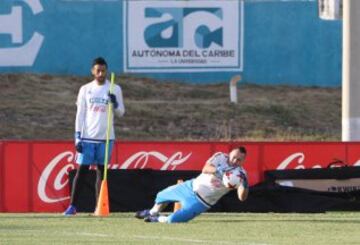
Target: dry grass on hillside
x=43 y=107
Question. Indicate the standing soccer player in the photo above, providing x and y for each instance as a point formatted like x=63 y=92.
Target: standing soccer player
x=91 y=126
x=200 y=194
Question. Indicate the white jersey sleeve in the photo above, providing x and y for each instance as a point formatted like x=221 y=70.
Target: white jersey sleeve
x=81 y=110
x=209 y=186
x=220 y=161
x=120 y=110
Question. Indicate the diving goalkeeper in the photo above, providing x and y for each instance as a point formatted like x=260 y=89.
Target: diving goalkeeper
x=200 y=194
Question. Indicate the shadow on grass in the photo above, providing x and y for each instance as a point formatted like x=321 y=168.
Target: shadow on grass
x=58 y=216
x=282 y=221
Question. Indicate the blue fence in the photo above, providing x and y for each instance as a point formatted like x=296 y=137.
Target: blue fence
x=282 y=42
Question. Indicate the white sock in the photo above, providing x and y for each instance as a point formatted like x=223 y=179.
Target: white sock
x=157 y=208
x=163 y=219
x=154 y=211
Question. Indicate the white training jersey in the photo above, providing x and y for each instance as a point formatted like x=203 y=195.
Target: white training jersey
x=92 y=111
x=209 y=186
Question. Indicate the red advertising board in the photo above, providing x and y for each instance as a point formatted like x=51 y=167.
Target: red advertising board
x=16 y=174
x=302 y=156
x=34 y=174
x=162 y=155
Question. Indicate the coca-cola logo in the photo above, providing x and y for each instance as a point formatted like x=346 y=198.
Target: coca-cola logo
x=57 y=184
x=138 y=160
x=297 y=161
x=141 y=159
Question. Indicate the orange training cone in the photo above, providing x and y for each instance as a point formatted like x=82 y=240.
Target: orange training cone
x=177 y=205
x=102 y=207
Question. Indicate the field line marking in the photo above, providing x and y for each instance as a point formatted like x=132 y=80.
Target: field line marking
x=179 y=239
x=91 y=234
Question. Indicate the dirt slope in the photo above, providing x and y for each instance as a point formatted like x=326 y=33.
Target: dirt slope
x=43 y=107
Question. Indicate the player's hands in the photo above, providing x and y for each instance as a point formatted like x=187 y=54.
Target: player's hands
x=113 y=100
x=219 y=172
x=78 y=142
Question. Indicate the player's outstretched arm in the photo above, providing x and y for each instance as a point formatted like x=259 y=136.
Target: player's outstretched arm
x=209 y=168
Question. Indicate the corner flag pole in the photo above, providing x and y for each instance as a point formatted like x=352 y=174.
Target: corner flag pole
x=102 y=207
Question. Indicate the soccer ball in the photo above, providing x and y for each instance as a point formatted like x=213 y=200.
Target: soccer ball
x=232 y=179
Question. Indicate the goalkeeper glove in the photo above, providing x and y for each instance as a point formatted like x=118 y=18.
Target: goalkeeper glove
x=113 y=100
x=78 y=142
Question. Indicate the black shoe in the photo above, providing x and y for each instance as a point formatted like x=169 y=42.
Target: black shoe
x=142 y=214
x=70 y=211
x=152 y=219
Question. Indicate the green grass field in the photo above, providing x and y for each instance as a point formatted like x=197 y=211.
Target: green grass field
x=210 y=228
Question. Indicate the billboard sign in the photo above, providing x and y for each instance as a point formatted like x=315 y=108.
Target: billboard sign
x=17 y=50
x=183 y=36
x=41 y=184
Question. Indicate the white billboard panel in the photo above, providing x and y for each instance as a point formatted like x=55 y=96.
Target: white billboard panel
x=183 y=36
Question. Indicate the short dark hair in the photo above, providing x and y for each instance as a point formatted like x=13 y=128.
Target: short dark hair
x=242 y=149
x=99 y=61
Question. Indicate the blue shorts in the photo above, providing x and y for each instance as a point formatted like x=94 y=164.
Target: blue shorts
x=94 y=153
x=191 y=205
